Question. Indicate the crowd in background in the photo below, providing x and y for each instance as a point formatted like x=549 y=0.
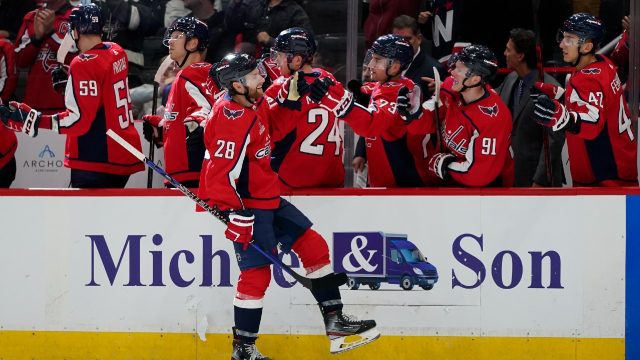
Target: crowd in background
x=32 y=31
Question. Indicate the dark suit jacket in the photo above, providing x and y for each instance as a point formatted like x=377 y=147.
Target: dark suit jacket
x=423 y=65
x=527 y=135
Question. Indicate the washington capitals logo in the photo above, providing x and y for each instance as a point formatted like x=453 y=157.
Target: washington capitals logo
x=232 y=114
x=489 y=110
x=592 y=71
x=87 y=57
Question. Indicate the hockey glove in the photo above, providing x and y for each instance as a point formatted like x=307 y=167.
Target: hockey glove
x=240 y=227
x=20 y=117
x=331 y=96
x=59 y=77
x=439 y=165
x=288 y=95
x=152 y=133
x=408 y=104
x=191 y=124
x=552 y=91
x=551 y=113
x=155 y=120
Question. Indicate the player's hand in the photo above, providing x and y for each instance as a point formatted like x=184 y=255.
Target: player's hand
x=303 y=86
x=439 y=165
x=152 y=134
x=288 y=95
x=358 y=163
x=191 y=124
x=155 y=120
x=551 y=113
x=408 y=103
x=20 y=117
x=331 y=96
x=552 y=91
x=240 y=227
x=59 y=77
x=43 y=23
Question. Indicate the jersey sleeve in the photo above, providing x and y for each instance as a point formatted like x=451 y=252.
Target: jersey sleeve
x=26 y=50
x=83 y=98
x=586 y=100
x=377 y=118
x=8 y=73
x=198 y=107
x=485 y=156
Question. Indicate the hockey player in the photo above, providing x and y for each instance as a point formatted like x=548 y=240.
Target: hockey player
x=476 y=123
x=189 y=102
x=594 y=114
x=391 y=162
x=239 y=181
x=37 y=43
x=308 y=146
x=97 y=99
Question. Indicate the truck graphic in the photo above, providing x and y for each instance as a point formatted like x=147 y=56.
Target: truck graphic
x=371 y=258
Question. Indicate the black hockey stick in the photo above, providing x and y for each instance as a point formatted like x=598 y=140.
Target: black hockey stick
x=328 y=281
x=162 y=69
x=438 y=84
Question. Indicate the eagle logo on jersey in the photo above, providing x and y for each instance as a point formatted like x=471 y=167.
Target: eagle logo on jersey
x=489 y=110
x=87 y=57
x=232 y=114
x=591 y=71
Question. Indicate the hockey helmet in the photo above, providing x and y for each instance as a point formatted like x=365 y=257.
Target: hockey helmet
x=86 y=19
x=480 y=60
x=584 y=25
x=392 y=47
x=296 y=41
x=231 y=68
x=192 y=28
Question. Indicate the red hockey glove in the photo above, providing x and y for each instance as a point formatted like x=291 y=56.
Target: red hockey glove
x=552 y=114
x=409 y=104
x=288 y=95
x=439 y=165
x=240 y=227
x=331 y=96
x=20 y=117
x=552 y=91
x=155 y=120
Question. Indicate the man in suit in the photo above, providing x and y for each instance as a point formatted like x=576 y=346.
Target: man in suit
x=530 y=165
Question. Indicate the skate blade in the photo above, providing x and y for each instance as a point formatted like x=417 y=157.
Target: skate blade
x=346 y=343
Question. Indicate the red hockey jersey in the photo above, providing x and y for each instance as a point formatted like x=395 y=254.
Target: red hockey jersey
x=605 y=148
x=97 y=99
x=308 y=146
x=391 y=162
x=40 y=59
x=8 y=145
x=478 y=134
x=238 y=172
x=190 y=97
x=8 y=71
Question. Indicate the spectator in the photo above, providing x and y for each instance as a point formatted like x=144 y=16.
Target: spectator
x=380 y=16
x=476 y=123
x=530 y=167
x=97 y=100
x=189 y=102
x=128 y=23
x=37 y=44
x=260 y=21
x=220 y=41
x=174 y=10
x=595 y=116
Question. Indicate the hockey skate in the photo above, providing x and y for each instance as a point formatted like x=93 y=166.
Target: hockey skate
x=245 y=349
x=347 y=333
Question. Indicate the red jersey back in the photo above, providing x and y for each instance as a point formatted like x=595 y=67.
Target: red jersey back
x=605 y=148
x=238 y=173
x=8 y=70
x=191 y=98
x=308 y=145
x=8 y=145
x=40 y=58
x=97 y=99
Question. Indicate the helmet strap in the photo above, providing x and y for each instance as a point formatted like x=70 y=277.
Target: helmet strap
x=181 y=64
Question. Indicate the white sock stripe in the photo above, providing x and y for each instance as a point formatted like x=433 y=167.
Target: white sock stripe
x=248 y=304
x=318 y=273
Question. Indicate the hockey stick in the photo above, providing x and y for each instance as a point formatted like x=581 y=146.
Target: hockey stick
x=162 y=69
x=436 y=80
x=328 y=281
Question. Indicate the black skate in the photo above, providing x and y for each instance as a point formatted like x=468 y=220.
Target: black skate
x=347 y=333
x=244 y=348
